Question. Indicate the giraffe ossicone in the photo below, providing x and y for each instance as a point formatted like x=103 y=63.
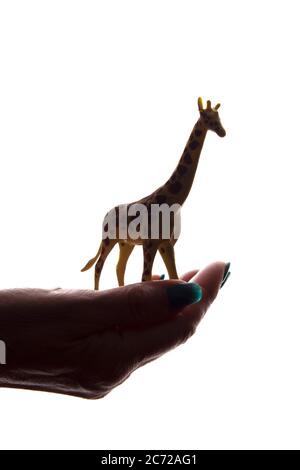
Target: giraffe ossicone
x=131 y=229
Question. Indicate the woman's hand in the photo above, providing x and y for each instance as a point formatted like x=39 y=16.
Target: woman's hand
x=85 y=343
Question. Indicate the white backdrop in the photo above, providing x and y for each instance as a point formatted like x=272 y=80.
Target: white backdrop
x=97 y=100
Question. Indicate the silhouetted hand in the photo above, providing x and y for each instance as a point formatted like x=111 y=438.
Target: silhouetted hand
x=85 y=343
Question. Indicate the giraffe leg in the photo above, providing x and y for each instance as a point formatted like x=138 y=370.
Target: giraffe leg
x=167 y=253
x=149 y=250
x=125 y=252
x=106 y=247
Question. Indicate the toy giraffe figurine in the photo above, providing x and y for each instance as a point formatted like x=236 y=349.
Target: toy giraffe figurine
x=174 y=191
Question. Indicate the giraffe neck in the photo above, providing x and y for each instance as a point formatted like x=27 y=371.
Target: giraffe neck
x=178 y=186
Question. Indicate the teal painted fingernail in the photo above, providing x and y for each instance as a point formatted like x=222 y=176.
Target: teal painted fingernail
x=162 y=277
x=181 y=295
x=227 y=266
x=225 y=275
x=225 y=279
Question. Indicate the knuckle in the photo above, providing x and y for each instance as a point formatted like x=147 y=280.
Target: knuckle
x=138 y=306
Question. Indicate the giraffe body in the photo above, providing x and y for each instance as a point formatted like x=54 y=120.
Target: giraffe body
x=174 y=191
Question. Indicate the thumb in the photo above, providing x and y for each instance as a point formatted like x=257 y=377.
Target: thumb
x=141 y=305
x=158 y=339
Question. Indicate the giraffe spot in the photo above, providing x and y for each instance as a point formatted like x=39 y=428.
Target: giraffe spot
x=162 y=250
x=198 y=133
x=148 y=256
x=149 y=244
x=106 y=241
x=146 y=272
x=194 y=144
x=160 y=199
x=105 y=228
x=175 y=187
x=187 y=158
x=181 y=170
x=122 y=244
x=97 y=269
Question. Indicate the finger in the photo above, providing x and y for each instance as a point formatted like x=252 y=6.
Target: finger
x=137 y=306
x=156 y=277
x=210 y=279
x=158 y=339
x=188 y=276
x=149 y=303
x=185 y=277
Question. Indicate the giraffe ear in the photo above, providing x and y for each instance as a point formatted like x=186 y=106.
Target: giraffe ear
x=217 y=106
x=200 y=104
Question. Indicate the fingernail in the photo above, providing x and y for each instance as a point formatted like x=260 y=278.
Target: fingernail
x=181 y=295
x=225 y=275
x=227 y=266
x=162 y=277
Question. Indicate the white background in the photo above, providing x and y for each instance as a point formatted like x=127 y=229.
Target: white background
x=97 y=100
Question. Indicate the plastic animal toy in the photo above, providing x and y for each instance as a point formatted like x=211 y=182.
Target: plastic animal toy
x=174 y=191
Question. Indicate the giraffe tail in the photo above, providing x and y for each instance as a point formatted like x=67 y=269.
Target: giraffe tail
x=93 y=260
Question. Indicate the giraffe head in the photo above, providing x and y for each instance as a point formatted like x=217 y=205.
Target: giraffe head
x=210 y=118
